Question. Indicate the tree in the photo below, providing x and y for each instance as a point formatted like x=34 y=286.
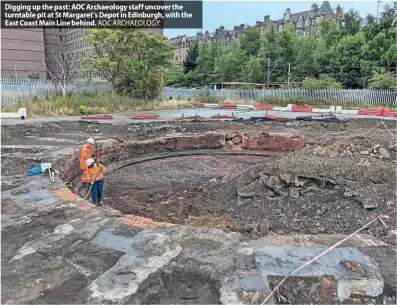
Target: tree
x=109 y=49
x=65 y=64
x=190 y=63
x=380 y=37
x=352 y=23
x=383 y=81
x=324 y=82
x=253 y=71
x=305 y=63
x=349 y=54
x=231 y=63
x=345 y=60
x=133 y=60
x=174 y=77
x=251 y=41
x=146 y=58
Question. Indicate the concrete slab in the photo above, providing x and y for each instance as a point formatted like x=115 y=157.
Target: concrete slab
x=275 y=261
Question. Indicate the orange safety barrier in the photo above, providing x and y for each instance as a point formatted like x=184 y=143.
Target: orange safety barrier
x=387 y=112
x=371 y=112
x=200 y=104
x=269 y=116
x=145 y=117
x=228 y=106
x=263 y=107
x=296 y=108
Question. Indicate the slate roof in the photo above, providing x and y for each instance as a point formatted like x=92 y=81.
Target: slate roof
x=324 y=9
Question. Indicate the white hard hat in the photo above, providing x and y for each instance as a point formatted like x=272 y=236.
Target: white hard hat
x=89 y=161
x=91 y=141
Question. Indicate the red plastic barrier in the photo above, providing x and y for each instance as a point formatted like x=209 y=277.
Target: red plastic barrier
x=269 y=116
x=97 y=117
x=263 y=107
x=387 y=112
x=199 y=104
x=218 y=116
x=296 y=108
x=371 y=112
x=228 y=106
x=145 y=117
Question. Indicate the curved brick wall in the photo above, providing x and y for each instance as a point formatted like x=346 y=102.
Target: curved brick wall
x=112 y=150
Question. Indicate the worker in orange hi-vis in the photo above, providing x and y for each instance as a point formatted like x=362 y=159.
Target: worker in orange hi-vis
x=87 y=152
x=95 y=173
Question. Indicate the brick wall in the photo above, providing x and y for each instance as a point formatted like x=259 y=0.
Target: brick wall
x=265 y=141
x=112 y=150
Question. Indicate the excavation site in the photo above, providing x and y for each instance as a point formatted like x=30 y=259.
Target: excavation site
x=201 y=212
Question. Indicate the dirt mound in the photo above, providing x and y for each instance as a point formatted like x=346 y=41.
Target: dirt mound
x=307 y=194
x=355 y=145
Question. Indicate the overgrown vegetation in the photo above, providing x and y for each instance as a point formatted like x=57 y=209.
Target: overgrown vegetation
x=353 y=56
x=132 y=60
x=92 y=104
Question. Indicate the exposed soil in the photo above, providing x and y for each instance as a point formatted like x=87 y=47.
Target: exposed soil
x=183 y=284
x=342 y=178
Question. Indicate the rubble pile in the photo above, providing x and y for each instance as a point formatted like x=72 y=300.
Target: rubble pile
x=356 y=145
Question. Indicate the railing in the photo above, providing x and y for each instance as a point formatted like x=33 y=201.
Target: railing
x=359 y=97
x=15 y=90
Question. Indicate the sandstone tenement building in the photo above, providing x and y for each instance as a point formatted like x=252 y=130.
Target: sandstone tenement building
x=303 y=21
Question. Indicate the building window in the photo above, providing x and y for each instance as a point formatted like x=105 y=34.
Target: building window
x=307 y=22
x=280 y=27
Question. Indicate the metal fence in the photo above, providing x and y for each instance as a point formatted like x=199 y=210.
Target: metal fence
x=359 y=97
x=15 y=90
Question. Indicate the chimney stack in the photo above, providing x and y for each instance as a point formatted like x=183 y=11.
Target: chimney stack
x=287 y=14
x=338 y=11
x=314 y=7
x=267 y=19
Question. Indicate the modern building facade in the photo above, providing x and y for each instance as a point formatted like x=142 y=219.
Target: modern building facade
x=303 y=22
x=22 y=53
x=26 y=52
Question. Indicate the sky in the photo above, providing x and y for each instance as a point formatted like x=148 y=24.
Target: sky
x=231 y=13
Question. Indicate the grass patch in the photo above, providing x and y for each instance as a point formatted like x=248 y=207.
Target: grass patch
x=172 y=104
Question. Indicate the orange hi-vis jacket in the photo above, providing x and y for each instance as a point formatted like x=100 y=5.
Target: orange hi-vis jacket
x=96 y=172
x=86 y=153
